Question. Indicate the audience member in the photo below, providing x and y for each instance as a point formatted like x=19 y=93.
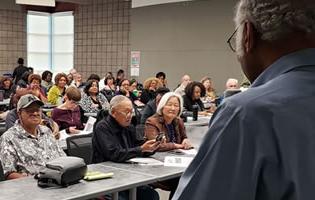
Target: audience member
x=68 y=115
x=30 y=69
x=57 y=91
x=110 y=88
x=47 y=80
x=94 y=77
x=92 y=101
x=193 y=92
x=167 y=121
x=124 y=90
x=162 y=77
x=210 y=91
x=69 y=79
x=260 y=143
x=23 y=82
x=231 y=83
x=150 y=86
x=19 y=70
x=120 y=76
x=102 y=81
x=77 y=81
x=73 y=71
x=7 y=86
x=13 y=116
x=133 y=87
x=150 y=107
x=114 y=139
x=181 y=88
x=27 y=146
x=33 y=87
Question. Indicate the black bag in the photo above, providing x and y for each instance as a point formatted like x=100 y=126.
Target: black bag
x=62 y=172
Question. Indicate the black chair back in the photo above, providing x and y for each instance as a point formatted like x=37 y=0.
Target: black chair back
x=140 y=131
x=80 y=146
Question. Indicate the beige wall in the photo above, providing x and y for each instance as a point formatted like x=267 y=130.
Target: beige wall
x=12 y=36
x=185 y=38
x=101 y=33
x=101 y=36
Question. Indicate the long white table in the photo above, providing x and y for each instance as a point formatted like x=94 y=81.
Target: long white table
x=126 y=177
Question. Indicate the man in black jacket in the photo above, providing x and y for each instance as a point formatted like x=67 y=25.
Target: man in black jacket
x=19 y=70
x=150 y=108
x=114 y=139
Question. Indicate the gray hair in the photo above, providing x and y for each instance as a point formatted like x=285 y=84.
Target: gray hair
x=165 y=99
x=275 y=19
x=116 y=100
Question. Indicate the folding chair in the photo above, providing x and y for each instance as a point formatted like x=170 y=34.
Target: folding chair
x=80 y=146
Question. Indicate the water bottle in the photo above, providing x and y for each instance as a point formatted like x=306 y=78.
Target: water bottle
x=195 y=112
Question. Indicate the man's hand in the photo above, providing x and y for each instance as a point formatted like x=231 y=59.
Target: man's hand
x=150 y=146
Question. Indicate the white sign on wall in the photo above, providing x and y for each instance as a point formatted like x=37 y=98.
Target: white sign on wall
x=135 y=63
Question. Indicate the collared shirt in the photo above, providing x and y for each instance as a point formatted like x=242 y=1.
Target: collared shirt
x=261 y=143
x=22 y=152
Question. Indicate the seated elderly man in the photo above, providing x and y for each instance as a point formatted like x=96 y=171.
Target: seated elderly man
x=114 y=139
x=181 y=89
x=27 y=146
x=232 y=83
x=13 y=116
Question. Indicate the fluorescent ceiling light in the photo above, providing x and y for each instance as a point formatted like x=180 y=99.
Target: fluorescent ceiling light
x=141 y=3
x=51 y=3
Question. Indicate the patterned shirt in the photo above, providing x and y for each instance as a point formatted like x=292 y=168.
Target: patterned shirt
x=89 y=106
x=23 y=152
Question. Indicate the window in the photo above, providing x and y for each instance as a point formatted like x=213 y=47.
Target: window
x=50 y=41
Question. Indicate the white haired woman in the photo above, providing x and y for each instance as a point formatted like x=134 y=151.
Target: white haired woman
x=167 y=121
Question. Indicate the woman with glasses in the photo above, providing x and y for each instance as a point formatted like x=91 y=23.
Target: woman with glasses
x=92 y=101
x=68 y=115
x=124 y=89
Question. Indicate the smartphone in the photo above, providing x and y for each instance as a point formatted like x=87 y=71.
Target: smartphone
x=159 y=137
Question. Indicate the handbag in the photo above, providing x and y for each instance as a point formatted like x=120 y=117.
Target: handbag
x=61 y=172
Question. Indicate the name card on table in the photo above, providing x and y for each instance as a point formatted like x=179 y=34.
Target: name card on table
x=177 y=161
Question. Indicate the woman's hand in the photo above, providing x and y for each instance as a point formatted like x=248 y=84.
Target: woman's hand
x=179 y=146
x=186 y=143
x=73 y=130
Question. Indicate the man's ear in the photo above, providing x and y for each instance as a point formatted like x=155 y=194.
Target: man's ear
x=250 y=36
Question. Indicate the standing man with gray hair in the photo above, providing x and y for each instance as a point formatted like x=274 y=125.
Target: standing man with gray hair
x=261 y=143
x=114 y=139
